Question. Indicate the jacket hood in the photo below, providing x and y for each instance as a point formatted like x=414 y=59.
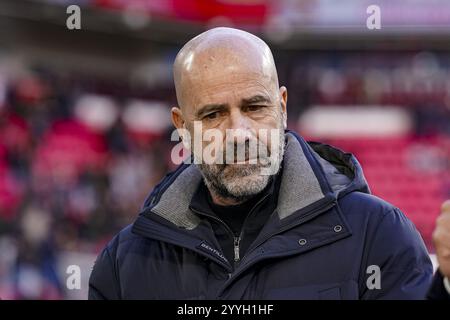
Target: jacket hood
x=312 y=173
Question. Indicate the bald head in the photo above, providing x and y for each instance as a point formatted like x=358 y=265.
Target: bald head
x=221 y=53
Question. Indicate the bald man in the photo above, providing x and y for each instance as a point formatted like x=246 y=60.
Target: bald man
x=257 y=212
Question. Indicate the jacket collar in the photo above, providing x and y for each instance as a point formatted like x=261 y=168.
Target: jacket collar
x=201 y=200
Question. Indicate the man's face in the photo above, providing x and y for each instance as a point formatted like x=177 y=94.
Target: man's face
x=242 y=101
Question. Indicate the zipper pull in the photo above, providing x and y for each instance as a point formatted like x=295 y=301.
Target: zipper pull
x=237 y=240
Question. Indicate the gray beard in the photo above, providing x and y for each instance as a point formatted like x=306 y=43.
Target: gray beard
x=240 y=182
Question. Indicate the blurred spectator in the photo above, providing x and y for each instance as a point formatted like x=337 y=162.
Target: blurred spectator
x=74 y=168
x=34 y=271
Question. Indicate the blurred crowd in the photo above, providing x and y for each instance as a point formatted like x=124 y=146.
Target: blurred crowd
x=75 y=168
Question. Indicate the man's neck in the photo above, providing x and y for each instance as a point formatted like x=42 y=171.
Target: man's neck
x=224 y=201
x=231 y=201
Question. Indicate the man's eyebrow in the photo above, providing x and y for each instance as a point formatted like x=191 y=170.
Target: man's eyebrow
x=210 y=108
x=256 y=99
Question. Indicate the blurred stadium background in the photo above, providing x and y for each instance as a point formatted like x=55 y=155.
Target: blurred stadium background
x=85 y=125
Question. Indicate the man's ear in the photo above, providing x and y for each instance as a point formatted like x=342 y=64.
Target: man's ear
x=179 y=123
x=177 y=118
x=283 y=101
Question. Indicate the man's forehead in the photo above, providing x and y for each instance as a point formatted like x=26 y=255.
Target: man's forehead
x=242 y=89
x=221 y=60
x=217 y=61
x=221 y=71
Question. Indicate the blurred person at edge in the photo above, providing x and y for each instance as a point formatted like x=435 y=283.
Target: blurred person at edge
x=440 y=289
x=35 y=270
x=311 y=230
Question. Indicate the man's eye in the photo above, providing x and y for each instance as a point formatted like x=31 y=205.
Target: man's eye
x=254 y=108
x=211 y=116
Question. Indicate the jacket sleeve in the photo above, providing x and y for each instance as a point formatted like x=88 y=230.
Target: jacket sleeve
x=103 y=283
x=397 y=248
x=437 y=290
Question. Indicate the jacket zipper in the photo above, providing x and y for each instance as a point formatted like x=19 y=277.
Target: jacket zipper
x=244 y=267
x=236 y=240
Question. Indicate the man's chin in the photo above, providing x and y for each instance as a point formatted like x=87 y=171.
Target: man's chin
x=246 y=185
x=241 y=171
x=236 y=181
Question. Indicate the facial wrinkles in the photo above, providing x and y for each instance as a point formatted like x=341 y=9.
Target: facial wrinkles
x=231 y=90
x=221 y=54
x=235 y=74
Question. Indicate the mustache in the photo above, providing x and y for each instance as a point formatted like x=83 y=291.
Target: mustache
x=234 y=153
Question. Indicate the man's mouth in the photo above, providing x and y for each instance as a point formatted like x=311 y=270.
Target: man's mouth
x=248 y=161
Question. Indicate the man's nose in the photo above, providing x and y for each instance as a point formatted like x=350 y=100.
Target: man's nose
x=240 y=126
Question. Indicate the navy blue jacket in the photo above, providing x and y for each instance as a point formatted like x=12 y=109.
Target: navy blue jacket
x=326 y=239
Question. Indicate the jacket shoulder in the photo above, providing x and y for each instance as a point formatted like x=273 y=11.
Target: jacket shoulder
x=104 y=282
x=377 y=216
x=367 y=205
x=122 y=238
x=392 y=243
